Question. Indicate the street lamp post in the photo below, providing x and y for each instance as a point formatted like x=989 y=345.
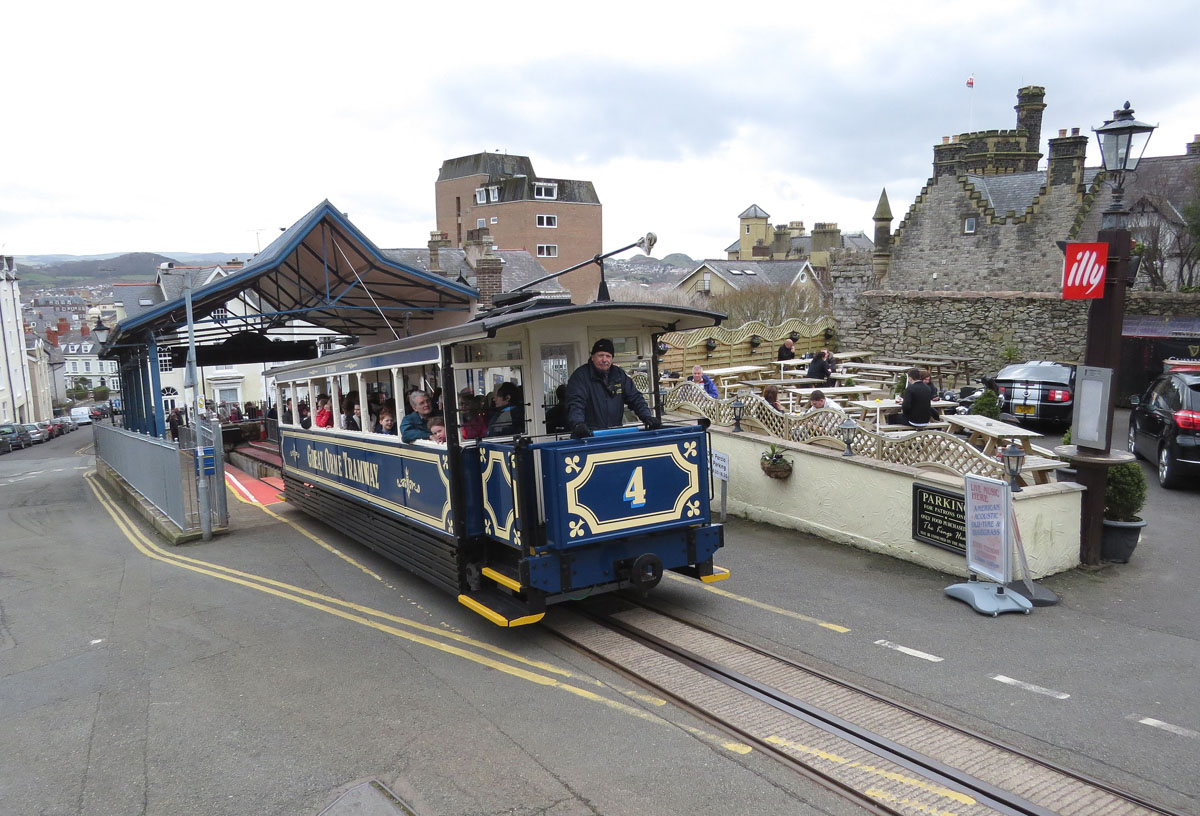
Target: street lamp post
x=1122 y=139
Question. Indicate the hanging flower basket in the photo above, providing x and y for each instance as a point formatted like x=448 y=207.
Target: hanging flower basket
x=776 y=471
x=775 y=464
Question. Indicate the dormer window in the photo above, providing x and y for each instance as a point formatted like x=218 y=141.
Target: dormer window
x=544 y=190
x=969 y=225
x=480 y=196
x=220 y=315
x=145 y=302
x=493 y=194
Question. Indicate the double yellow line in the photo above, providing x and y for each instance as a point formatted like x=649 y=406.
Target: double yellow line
x=534 y=671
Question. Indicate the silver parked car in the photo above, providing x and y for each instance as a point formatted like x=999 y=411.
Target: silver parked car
x=35 y=432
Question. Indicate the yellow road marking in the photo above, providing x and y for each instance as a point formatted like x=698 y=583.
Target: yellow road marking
x=267 y=585
x=724 y=593
x=916 y=782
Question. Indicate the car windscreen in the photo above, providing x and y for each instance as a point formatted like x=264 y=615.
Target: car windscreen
x=1038 y=373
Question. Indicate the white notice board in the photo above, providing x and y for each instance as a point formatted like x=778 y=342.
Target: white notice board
x=989 y=550
x=720 y=465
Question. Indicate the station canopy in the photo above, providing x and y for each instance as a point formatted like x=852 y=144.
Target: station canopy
x=321 y=275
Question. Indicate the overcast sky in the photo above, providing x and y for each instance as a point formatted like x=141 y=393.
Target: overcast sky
x=169 y=127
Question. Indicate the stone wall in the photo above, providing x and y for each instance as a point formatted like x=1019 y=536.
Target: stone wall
x=1007 y=252
x=989 y=327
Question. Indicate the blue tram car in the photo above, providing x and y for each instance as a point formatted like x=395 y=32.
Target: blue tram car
x=512 y=523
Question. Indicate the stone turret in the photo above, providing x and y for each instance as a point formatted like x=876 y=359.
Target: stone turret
x=883 y=236
x=1029 y=107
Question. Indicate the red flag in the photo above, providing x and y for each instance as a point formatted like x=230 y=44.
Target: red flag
x=970 y=82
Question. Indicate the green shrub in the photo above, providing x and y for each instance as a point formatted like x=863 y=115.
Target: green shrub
x=1067 y=437
x=100 y=394
x=988 y=405
x=1124 y=492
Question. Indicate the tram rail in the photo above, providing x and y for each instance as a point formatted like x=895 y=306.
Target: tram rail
x=885 y=756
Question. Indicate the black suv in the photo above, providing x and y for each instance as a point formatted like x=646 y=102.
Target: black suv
x=1039 y=390
x=1165 y=423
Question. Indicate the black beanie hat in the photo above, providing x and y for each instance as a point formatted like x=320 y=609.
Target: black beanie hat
x=603 y=344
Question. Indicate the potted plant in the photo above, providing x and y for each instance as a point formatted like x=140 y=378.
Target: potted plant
x=774 y=463
x=987 y=404
x=1124 y=495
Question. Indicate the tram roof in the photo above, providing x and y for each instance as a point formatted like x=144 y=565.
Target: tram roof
x=659 y=316
x=322 y=270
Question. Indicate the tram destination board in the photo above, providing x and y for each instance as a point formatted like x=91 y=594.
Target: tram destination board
x=939 y=517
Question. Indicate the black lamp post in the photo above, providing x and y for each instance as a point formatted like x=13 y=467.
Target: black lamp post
x=738 y=407
x=1122 y=139
x=848 y=429
x=1014 y=457
x=100 y=331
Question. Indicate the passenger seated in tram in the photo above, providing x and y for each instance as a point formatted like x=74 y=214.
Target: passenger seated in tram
x=351 y=412
x=437 y=430
x=509 y=418
x=324 y=416
x=386 y=423
x=556 y=415
x=413 y=426
x=471 y=417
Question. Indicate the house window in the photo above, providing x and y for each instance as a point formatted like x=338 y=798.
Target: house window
x=74 y=367
x=969 y=225
x=747 y=229
x=550 y=221
x=87 y=366
x=481 y=196
x=541 y=190
x=480 y=222
x=547 y=250
x=219 y=315
x=164 y=360
x=495 y=220
x=494 y=194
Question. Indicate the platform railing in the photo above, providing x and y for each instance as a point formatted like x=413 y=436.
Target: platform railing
x=164 y=474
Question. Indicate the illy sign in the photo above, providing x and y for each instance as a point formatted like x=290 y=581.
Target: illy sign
x=1083 y=271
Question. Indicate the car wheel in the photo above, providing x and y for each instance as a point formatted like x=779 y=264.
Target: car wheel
x=1168 y=475
x=1131 y=446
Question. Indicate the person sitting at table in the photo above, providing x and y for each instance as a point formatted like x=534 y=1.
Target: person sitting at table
x=699 y=377
x=788 y=350
x=771 y=395
x=818 y=369
x=817 y=400
x=934 y=413
x=915 y=403
x=831 y=363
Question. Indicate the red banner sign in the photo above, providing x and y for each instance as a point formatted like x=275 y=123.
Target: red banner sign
x=1083 y=271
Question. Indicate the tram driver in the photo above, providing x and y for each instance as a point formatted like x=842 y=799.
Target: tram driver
x=598 y=392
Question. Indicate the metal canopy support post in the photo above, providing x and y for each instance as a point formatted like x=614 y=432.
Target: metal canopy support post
x=197 y=398
x=160 y=424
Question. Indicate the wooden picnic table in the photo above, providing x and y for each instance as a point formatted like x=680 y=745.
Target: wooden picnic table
x=987 y=434
x=842 y=356
x=731 y=371
x=890 y=406
x=880 y=367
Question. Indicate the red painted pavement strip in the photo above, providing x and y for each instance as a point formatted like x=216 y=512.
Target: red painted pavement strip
x=251 y=488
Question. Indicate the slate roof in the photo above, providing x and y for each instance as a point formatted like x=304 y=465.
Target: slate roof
x=1166 y=183
x=1016 y=191
x=519 y=267
x=131 y=294
x=494 y=165
x=754 y=211
x=745 y=273
x=515 y=177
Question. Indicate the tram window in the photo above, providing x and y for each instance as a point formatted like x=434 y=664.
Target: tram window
x=487 y=352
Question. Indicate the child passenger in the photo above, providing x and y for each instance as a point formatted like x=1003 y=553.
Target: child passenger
x=387 y=423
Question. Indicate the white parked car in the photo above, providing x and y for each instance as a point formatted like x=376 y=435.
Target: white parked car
x=81 y=415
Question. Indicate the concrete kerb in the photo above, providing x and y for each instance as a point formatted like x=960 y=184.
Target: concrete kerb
x=153 y=516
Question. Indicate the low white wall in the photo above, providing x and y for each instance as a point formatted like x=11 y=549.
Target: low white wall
x=866 y=503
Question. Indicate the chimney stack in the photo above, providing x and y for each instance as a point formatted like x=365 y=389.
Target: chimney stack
x=1193 y=149
x=1067 y=155
x=437 y=241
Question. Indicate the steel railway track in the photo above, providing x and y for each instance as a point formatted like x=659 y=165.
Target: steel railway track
x=884 y=756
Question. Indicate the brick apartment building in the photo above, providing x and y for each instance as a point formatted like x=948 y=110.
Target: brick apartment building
x=558 y=221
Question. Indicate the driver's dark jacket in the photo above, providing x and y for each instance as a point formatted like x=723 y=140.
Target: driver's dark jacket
x=599 y=400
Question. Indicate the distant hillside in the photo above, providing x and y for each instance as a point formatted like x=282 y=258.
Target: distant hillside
x=69 y=270
x=643 y=269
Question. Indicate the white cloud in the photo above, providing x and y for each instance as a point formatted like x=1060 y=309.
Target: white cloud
x=146 y=126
